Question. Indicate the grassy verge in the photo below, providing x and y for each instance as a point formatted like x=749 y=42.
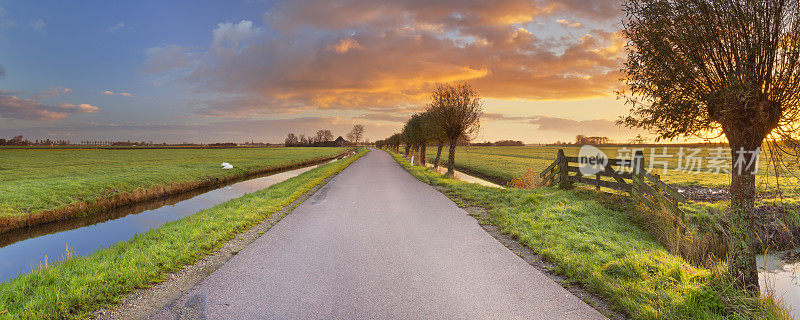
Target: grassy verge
x=605 y=252
x=78 y=285
x=45 y=185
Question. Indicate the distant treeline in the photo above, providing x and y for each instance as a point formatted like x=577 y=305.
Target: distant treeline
x=22 y=141
x=324 y=138
x=501 y=143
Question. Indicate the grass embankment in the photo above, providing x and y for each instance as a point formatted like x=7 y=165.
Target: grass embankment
x=604 y=251
x=76 y=286
x=45 y=185
x=705 y=220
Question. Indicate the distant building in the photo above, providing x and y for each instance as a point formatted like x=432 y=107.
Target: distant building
x=341 y=142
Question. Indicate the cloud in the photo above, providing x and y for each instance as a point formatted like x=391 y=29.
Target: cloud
x=567 y=23
x=229 y=38
x=2 y=71
x=111 y=93
x=54 y=91
x=590 y=127
x=358 y=54
x=13 y=107
x=38 y=25
x=344 y=45
x=503 y=117
x=116 y=27
x=384 y=117
x=165 y=58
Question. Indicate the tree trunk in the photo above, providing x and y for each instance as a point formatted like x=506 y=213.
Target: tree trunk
x=408 y=149
x=741 y=243
x=438 y=154
x=423 y=153
x=451 y=158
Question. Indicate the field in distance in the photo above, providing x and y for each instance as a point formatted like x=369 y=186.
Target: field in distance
x=35 y=180
x=503 y=164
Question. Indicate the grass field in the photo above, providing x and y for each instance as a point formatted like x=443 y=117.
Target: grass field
x=506 y=163
x=75 y=287
x=605 y=251
x=704 y=220
x=48 y=184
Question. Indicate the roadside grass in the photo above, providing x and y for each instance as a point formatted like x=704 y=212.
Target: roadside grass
x=605 y=252
x=43 y=185
x=77 y=286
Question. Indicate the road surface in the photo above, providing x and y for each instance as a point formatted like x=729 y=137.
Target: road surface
x=376 y=243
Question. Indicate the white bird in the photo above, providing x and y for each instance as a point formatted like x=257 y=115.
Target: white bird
x=226 y=165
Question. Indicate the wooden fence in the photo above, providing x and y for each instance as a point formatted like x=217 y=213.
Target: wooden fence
x=629 y=176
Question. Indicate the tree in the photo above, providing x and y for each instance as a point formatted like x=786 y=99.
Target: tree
x=699 y=67
x=323 y=136
x=291 y=140
x=436 y=133
x=356 y=133
x=457 y=111
x=417 y=134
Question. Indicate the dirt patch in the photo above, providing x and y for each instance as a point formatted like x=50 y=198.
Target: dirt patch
x=546 y=267
x=704 y=194
x=774 y=230
x=143 y=303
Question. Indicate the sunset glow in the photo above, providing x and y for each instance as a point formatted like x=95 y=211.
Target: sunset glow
x=254 y=70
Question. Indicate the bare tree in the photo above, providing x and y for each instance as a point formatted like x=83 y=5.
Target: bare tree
x=731 y=67
x=457 y=111
x=291 y=140
x=356 y=133
x=323 y=136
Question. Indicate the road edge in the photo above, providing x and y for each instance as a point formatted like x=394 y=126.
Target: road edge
x=143 y=303
x=484 y=219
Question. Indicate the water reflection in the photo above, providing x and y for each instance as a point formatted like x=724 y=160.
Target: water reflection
x=465 y=177
x=23 y=250
x=779 y=272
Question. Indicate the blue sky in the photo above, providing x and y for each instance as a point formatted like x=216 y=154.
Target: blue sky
x=253 y=70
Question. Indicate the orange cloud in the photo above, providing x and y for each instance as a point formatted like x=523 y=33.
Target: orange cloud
x=358 y=54
x=14 y=107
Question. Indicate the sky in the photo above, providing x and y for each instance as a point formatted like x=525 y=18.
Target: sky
x=218 y=71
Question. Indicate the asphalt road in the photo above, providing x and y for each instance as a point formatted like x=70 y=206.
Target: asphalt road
x=375 y=243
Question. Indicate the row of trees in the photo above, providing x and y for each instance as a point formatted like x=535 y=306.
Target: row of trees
x=320 y=137
x=453 y=115
x=582 y=139
x=324 y=138
x=501 y=143
x=21 y=141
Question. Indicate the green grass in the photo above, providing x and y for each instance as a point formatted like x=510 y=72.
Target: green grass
x=506 y=163
x=75 y=287
x=35 y=180
x=605 y=251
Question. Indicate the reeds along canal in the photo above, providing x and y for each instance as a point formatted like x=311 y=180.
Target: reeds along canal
x=25 y=249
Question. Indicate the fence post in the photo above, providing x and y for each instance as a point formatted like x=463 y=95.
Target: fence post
x=638 y=160
x=597 y=177
x=563 y=183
